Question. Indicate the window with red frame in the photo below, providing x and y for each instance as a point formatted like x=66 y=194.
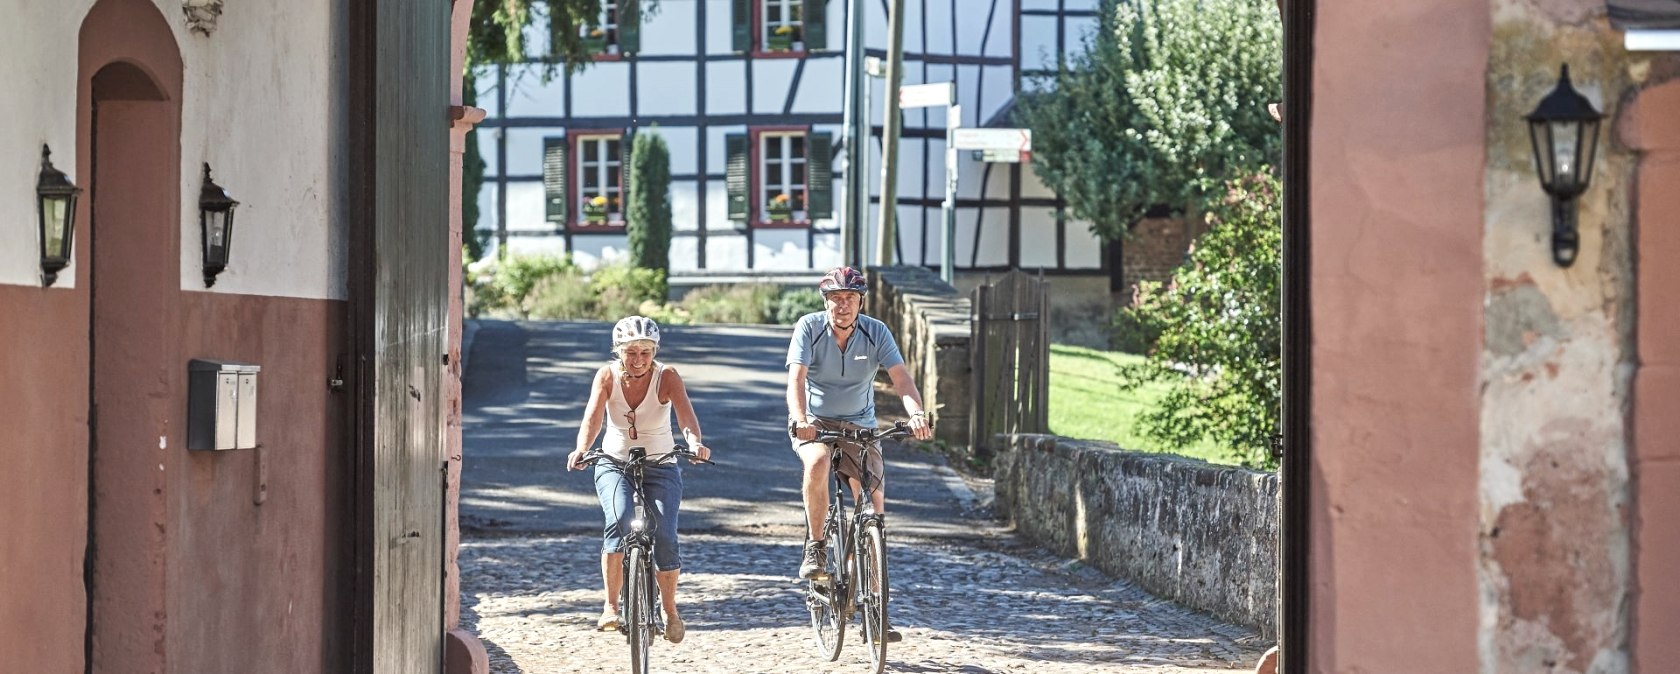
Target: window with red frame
x=774 y=27
x=617 y=30
x=600 y=180
x=779 y=177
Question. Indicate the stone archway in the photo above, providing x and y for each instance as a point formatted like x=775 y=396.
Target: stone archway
x=1651 y=125
x=128 y=132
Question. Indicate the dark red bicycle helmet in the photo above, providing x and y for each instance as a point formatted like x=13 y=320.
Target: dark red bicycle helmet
x=843 y=278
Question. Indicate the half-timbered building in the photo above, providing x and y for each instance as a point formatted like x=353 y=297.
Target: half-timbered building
x=749 y=95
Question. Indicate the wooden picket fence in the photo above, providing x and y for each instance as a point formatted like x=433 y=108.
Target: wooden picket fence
x=1010 y=357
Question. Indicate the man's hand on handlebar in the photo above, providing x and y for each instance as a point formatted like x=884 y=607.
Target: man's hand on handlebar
x=803 y=430
x=920 y=427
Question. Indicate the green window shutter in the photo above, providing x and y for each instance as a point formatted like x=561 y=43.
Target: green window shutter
x=741 y=15
x=554 y=178
x=735 y=176
x=629 y=26
x=819 y=176
x=815 y=14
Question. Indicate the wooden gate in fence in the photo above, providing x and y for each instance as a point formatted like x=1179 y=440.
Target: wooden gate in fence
x=1010 y=352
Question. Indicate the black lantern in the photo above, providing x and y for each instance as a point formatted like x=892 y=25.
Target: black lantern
x=1564 y=131
x=215 y=221
x=55 y=199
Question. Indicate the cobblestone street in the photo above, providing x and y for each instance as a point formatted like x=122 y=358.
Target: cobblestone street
x=990 y=607
x=968 y=595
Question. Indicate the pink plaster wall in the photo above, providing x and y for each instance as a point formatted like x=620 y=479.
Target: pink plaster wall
x=1651 y=125
x=464 y=653
x=1396 y=212
x=43 y=489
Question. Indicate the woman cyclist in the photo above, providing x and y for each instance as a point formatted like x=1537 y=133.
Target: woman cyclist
x=636 y=395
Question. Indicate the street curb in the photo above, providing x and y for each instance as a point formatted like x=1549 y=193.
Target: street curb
x=468 y=329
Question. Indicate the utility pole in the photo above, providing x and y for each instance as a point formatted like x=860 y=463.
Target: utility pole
x=890 y=131
x=857 y=139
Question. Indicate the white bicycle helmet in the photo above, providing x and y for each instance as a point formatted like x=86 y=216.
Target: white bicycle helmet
x=635 y=328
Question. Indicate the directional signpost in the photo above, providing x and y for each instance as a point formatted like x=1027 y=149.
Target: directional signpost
x=997 y=145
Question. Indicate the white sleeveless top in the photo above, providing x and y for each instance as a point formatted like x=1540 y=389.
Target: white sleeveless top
x=653 y=419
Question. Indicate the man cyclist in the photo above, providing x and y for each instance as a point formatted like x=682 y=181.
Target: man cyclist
x=832 y=360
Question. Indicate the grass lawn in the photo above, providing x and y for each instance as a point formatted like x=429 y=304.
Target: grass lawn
x=1086 y=403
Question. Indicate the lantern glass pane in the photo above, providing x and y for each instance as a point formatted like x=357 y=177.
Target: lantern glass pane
x=215 y=250
x=1539 y=136
x=1566 y=155
x=55 y=212
x=1589 y=148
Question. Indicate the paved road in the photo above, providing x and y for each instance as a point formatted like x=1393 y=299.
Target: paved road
x=970 y=597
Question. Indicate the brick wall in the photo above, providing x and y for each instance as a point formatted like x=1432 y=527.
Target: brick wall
x=1156 y=248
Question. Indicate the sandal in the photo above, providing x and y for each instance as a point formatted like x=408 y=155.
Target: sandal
x=674 y=630
x=608 y=621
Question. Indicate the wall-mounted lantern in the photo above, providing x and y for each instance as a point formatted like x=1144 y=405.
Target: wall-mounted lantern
x=1564 y=131
x=215 y=221
x=55 y=198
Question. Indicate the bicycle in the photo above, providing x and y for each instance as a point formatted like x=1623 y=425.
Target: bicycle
x=856 y=573
x=640 y=620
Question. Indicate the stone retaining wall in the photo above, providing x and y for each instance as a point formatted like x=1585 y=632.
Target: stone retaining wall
x=930 y=320
x=1202 y=535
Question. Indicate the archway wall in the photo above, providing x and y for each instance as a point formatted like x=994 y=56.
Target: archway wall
x=1650 y=124
x=1471 y=398
x=1396 y=212
x=244 y=586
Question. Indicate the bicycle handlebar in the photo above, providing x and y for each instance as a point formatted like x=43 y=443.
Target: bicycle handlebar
x=681 y=451
x=897 y=430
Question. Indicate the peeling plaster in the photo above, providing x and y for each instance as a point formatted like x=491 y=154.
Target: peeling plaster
x=202 y=15
x=1517 y=317
x=1556 y=360
x=1558 y=621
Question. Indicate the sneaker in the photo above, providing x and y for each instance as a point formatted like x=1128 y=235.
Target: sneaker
x=815 y=563
x=608 y=621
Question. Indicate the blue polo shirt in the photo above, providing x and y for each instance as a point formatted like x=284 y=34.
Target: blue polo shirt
x=839 y=385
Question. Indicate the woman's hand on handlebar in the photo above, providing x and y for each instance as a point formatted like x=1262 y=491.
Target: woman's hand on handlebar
x=699 y=449
x=574 y=461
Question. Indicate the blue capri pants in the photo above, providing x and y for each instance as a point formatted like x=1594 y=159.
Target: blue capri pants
x=663 y=487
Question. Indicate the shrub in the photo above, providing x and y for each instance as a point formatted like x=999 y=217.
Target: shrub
x=738 y=303
x=517 y=277
x=1133 y=333
x=621 y=290
x=1220 y=339
x=563 y=295
x=797 y=303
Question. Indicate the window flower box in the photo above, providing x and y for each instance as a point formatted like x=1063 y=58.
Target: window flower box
x=595 y=41
x=595 y=211
x=779 y=209
x=781 y=38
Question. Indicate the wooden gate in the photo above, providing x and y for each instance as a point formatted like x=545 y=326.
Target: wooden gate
x=400 y=258
x=1010 y=352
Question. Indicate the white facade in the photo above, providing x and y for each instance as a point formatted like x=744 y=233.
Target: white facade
x=707 y=97
x=285 y=240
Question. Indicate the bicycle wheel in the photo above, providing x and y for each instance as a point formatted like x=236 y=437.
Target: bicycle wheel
x=637 y=617
x=826 y=598
x=872 y=588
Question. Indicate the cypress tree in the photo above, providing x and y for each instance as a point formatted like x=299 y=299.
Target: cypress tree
x=648 y=218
